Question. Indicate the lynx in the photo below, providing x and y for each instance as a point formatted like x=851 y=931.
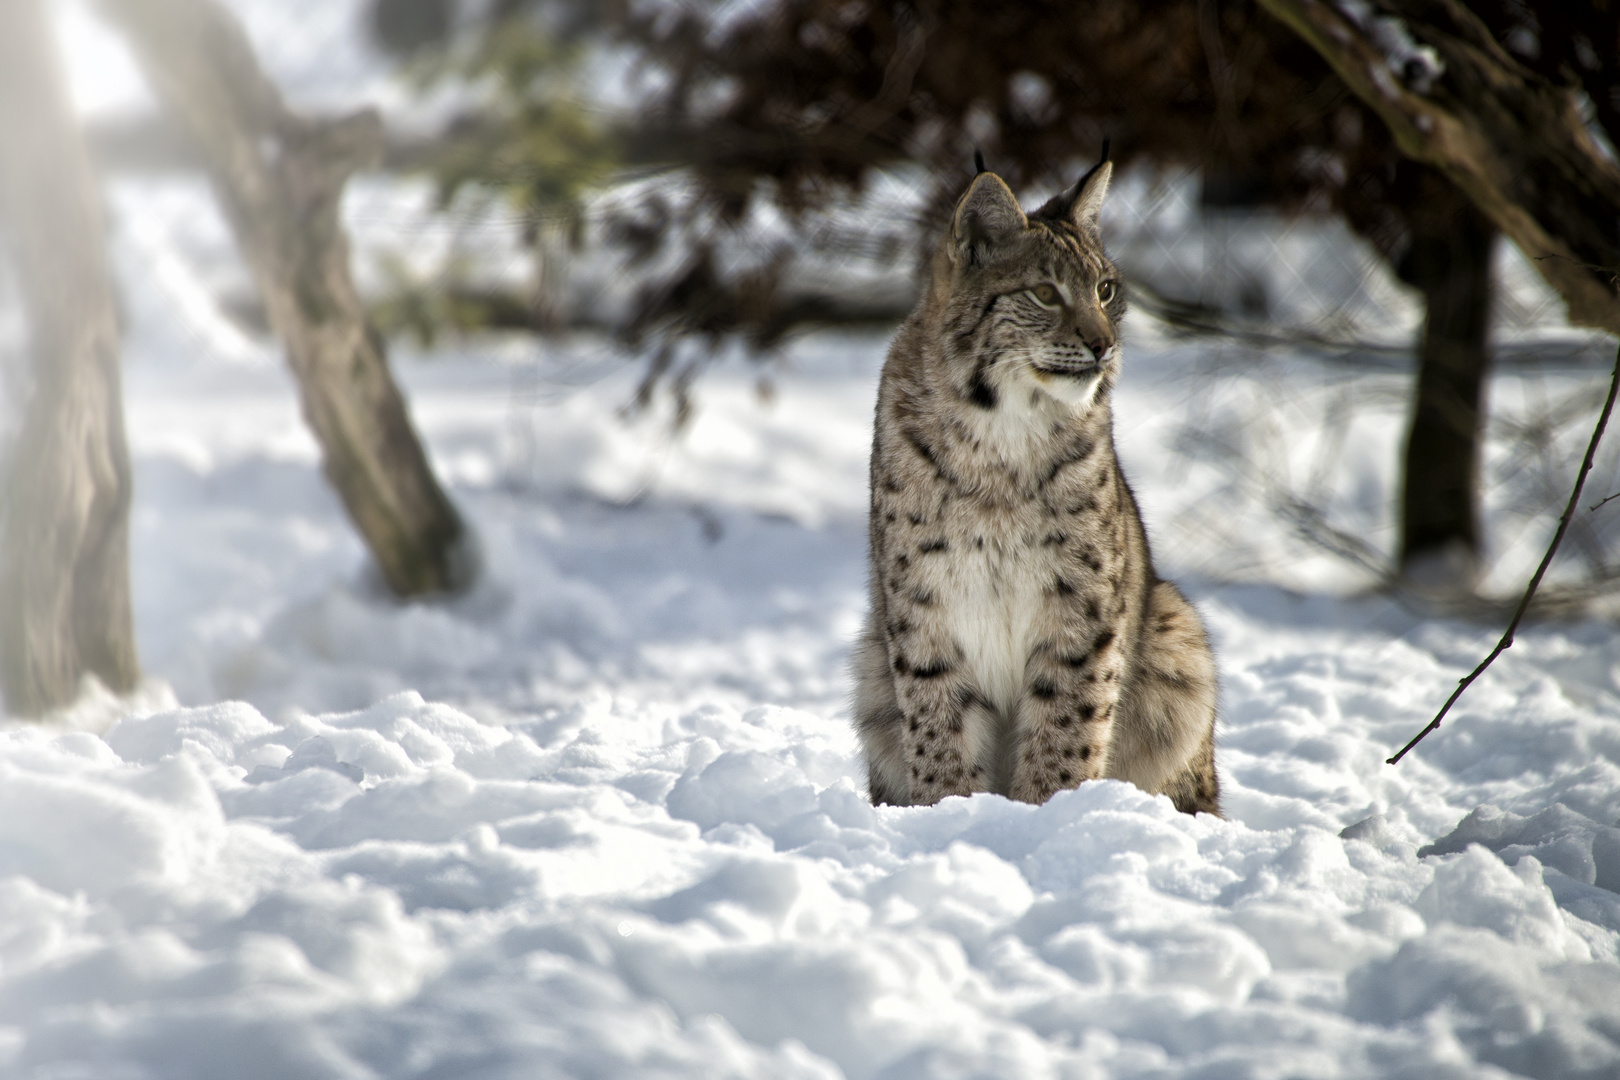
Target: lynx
x=1019 y=640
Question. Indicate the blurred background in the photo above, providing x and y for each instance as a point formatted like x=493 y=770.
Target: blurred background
x=580 y=228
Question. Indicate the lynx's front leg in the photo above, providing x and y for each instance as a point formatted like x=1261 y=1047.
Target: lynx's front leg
x=945 y=731
x=1066 y=716
x=946 y=738
x=942 y=740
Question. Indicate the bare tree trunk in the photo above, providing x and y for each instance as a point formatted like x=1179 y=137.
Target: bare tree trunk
x=280 y=179
x=1512 y=141
x=1450 y=261
x=64 y=545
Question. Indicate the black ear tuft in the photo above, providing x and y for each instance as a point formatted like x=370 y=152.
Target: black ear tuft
x=1080 y=185
x=978 y=162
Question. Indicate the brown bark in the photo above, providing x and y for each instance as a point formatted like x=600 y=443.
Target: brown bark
x=1449 y=260
x=64 y=546
x=1510 y=139
x=280 y=180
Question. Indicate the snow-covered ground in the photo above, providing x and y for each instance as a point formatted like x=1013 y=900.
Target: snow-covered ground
x=603 y=816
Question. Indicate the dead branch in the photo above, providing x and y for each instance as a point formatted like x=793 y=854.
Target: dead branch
x=1546 y=560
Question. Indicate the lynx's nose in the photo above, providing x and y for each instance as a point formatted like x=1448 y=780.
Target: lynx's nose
x=1102 y=348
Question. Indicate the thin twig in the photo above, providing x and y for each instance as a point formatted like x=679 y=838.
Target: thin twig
x=1546 y=560
x=1609 y=499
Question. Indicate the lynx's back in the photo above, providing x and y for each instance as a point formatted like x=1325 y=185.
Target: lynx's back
x=1018 y=639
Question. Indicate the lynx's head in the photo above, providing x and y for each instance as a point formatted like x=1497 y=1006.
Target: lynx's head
x=1028 y=304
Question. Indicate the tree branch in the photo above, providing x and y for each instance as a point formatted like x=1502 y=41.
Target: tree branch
x=1546 y=560
x=1514 y=142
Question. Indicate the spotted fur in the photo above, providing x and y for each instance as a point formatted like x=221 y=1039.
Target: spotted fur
x=1018 y=639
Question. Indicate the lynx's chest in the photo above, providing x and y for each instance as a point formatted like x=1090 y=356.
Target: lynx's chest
x=993 y=602
x=992 y=523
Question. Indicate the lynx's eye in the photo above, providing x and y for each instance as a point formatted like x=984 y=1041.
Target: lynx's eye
x=1046 y=293
x=1105 y=291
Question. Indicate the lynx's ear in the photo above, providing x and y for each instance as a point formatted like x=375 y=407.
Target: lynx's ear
x=1082 y=203
x=1089 y=195
x=987 y=217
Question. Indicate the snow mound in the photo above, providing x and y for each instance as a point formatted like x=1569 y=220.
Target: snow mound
x=613 y=890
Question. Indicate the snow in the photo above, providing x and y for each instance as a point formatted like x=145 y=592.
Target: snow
x=1416 y=66
x=603 y=816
